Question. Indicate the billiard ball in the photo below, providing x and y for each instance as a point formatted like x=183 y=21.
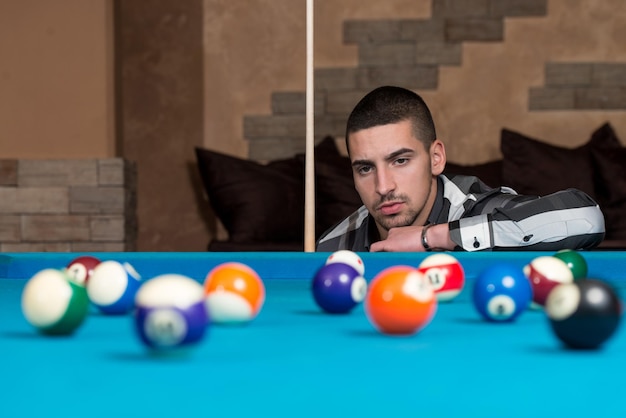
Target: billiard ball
x=234 y=293
x=501 y=292
x=446 y=275
x=337 y=287
x=348 y=257
x=81 y=268
x=583 y=314
x=170 y=312
x=544 y=273
x=53 y=303
x=112 y=287
x=574 y=261
x=400 y=301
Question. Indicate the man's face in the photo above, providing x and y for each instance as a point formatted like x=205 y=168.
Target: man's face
x=394 y=174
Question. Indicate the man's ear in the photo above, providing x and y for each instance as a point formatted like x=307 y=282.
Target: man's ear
x=437 y=157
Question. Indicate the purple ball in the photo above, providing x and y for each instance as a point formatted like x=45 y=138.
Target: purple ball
x=338 y=288
x=171 y=327
x=171 y=312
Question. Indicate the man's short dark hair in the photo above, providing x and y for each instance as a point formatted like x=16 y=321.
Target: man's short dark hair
x=390 y=104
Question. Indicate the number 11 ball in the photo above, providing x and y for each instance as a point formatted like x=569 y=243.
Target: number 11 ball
x=583 y=314
x=445 y=274
x=501 y=292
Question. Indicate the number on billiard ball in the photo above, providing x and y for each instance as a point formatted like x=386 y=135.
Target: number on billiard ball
x=170 y=312
x=53 y=303
x=81 y=268
x=445 y=274
x=338 y=288
x=165 y=327
x=583 y=314
x=400 y=301
x=501 y=292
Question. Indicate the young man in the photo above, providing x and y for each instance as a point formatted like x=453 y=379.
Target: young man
x=409 y=205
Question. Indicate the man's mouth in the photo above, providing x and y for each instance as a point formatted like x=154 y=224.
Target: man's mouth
x=390 y=208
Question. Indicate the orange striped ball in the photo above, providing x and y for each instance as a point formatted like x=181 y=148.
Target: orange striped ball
x=234 y=293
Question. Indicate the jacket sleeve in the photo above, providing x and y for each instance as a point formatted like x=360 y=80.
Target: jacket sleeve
x=568 y=219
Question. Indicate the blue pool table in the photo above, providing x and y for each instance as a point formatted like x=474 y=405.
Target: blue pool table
x=295 y=361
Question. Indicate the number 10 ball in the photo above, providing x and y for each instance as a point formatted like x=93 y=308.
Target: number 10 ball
x=502 y=292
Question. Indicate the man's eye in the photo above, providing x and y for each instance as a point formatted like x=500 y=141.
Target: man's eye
x=401 y=161
x=364 y=169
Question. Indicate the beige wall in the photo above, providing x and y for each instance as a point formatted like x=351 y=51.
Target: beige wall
x=490 y=90
x=56 y=79
x=56 y=71
x=57 y=101
x=257 y=47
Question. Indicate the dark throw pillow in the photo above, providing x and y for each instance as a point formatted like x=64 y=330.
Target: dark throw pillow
x=255 y=202
x=490 y=172
x=611 y=182
x=264 y=204
x=534 y=167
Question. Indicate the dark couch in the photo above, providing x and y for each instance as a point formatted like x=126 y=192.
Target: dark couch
x=262 y=205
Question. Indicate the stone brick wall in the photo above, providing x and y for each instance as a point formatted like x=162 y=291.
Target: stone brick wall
x=68 y=205
x=400 y=52
x=410 y=53
x=581 y=85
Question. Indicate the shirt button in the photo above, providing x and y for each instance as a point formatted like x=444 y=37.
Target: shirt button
x=527 y=238
x=476 y=243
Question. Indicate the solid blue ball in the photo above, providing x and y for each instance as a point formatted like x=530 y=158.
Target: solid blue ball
x=502 y=292
x=338 y=288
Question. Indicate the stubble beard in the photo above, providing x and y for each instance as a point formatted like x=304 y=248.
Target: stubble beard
x=394 y=221
x=401 y=219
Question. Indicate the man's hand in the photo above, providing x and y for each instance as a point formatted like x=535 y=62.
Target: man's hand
x=409 y=239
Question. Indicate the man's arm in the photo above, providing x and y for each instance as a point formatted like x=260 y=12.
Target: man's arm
x=566 y=219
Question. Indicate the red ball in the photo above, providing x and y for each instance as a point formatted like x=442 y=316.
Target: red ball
x=544 y=274
x=400 y=301
x=445 y=274
x=81 y=268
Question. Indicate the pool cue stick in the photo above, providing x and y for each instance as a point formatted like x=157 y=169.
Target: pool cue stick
x=309 y=174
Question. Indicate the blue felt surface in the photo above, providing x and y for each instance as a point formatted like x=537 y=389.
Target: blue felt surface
x=293 y=361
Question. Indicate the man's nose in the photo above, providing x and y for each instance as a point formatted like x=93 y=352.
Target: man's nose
x=384 y=182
